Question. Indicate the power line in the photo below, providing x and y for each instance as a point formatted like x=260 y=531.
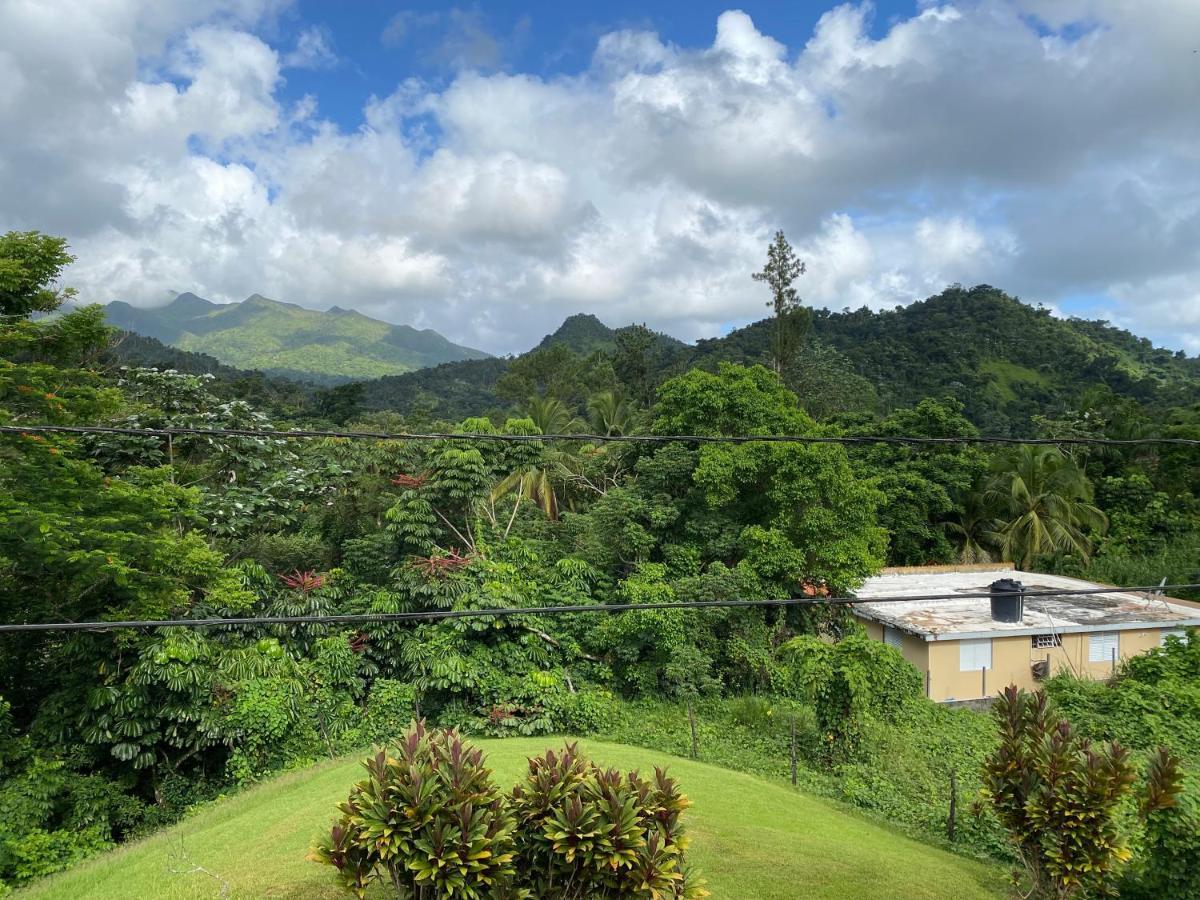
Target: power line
x=440 y=615
x=596 y=438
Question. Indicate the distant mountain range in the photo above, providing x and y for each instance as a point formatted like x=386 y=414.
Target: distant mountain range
x=289 y=341
x=1005 y=360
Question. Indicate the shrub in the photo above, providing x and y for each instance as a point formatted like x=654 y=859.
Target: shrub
x=1169 y=862
x=391 y=706
x=849 y=682
x=1057 y=797
x=586 y=832
x=430 y=821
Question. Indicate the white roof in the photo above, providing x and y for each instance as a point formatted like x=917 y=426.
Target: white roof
x=941 y=620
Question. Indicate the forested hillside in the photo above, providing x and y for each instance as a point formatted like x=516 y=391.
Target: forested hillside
x=287 y=340
x=1007 y=362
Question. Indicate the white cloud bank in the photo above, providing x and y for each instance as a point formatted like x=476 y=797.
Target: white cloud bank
x=1050 y=148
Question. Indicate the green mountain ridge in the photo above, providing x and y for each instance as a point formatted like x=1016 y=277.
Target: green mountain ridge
x=1005 y=360
x=290 y=341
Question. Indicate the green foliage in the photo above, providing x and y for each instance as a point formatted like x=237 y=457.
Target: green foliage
x=429 y=821
x=1154 y=701
x=1169 y=862
x=583 y=831
x=923 y=485
x=30 y=263
x=1057 y=797
x=848 y=683
x=1044 y=502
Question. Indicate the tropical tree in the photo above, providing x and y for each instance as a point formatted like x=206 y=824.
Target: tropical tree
x=1044 y=503
x=610 y=413
x=969 y=526
x=792 y=320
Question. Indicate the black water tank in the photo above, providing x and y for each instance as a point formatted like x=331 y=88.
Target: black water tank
x=1008 y=600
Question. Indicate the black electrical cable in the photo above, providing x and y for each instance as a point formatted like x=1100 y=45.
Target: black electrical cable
x=439 y=615
x=591 y=438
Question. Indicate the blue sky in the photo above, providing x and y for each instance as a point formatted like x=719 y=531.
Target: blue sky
x=489 y=169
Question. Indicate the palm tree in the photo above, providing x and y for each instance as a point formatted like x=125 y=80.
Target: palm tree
x=1045 y=505
x=536 y=481
x=969 y=527
x=612 y=414
x=551 y=415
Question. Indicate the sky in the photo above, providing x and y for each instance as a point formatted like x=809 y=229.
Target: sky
x=488 y=169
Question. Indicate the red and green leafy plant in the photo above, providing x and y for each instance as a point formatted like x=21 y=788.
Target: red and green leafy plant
x=584 y=832
x=428 y=820
x=1057 y=797
x=304 y=581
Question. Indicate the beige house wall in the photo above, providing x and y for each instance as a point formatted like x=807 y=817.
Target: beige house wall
x=1012 y=661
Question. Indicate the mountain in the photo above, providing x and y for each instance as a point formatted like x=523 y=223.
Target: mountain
x=285 y=340
x=456 y=390
x=1005 y=360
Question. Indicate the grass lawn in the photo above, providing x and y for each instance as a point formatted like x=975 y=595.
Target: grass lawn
x=751 y=839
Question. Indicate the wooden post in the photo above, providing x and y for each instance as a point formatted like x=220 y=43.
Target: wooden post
x=983 y=679
x=692 y=723
x=952 y=822
x=928 y=683
x=1113 y=670
x=793 y=751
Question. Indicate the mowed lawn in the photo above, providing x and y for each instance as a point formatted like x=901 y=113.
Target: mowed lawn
x=751 y=838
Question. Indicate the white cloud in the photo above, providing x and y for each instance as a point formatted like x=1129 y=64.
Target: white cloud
x=1049 y=147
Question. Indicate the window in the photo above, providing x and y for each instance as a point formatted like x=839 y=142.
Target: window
x=1174 y=632
x=974 y=655
x=1046 y=641
x=893 y=637
x=1103 y=647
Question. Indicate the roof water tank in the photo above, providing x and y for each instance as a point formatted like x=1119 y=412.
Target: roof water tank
x=1008 y=600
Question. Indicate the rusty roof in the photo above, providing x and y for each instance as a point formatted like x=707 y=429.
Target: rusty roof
x=939 y=620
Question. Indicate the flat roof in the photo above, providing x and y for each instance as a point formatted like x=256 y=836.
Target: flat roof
x=945 y=620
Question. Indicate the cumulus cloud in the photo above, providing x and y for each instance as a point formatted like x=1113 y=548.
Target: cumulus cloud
x=1049 y=147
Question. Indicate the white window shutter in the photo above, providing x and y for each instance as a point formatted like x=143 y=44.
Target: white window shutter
x=974 y=655
x=1103 y=646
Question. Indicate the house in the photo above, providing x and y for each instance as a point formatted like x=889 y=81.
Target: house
x=967 y=653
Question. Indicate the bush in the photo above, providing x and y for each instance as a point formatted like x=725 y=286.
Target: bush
x=391 y=706
x=849 y=682
x=586 y=832
x=1057 y=797
x=1169 y=862
x=430 y=821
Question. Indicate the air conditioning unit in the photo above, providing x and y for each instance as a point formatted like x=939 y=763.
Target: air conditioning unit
x=1041 y=670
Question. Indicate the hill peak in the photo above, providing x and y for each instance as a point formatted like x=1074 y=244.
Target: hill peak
x=285 y=339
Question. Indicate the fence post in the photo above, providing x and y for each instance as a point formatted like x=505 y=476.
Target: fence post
x=928 y=684
x=952 y=822
x=983 y=679
x=1113 y=670
x=793 y=751
x=692 y=723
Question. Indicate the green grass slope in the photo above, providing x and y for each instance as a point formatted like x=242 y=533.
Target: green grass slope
x=288 y=340
x=751 y=838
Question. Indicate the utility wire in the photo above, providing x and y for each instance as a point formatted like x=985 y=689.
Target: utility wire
x=439 y=615
x=594 y=438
